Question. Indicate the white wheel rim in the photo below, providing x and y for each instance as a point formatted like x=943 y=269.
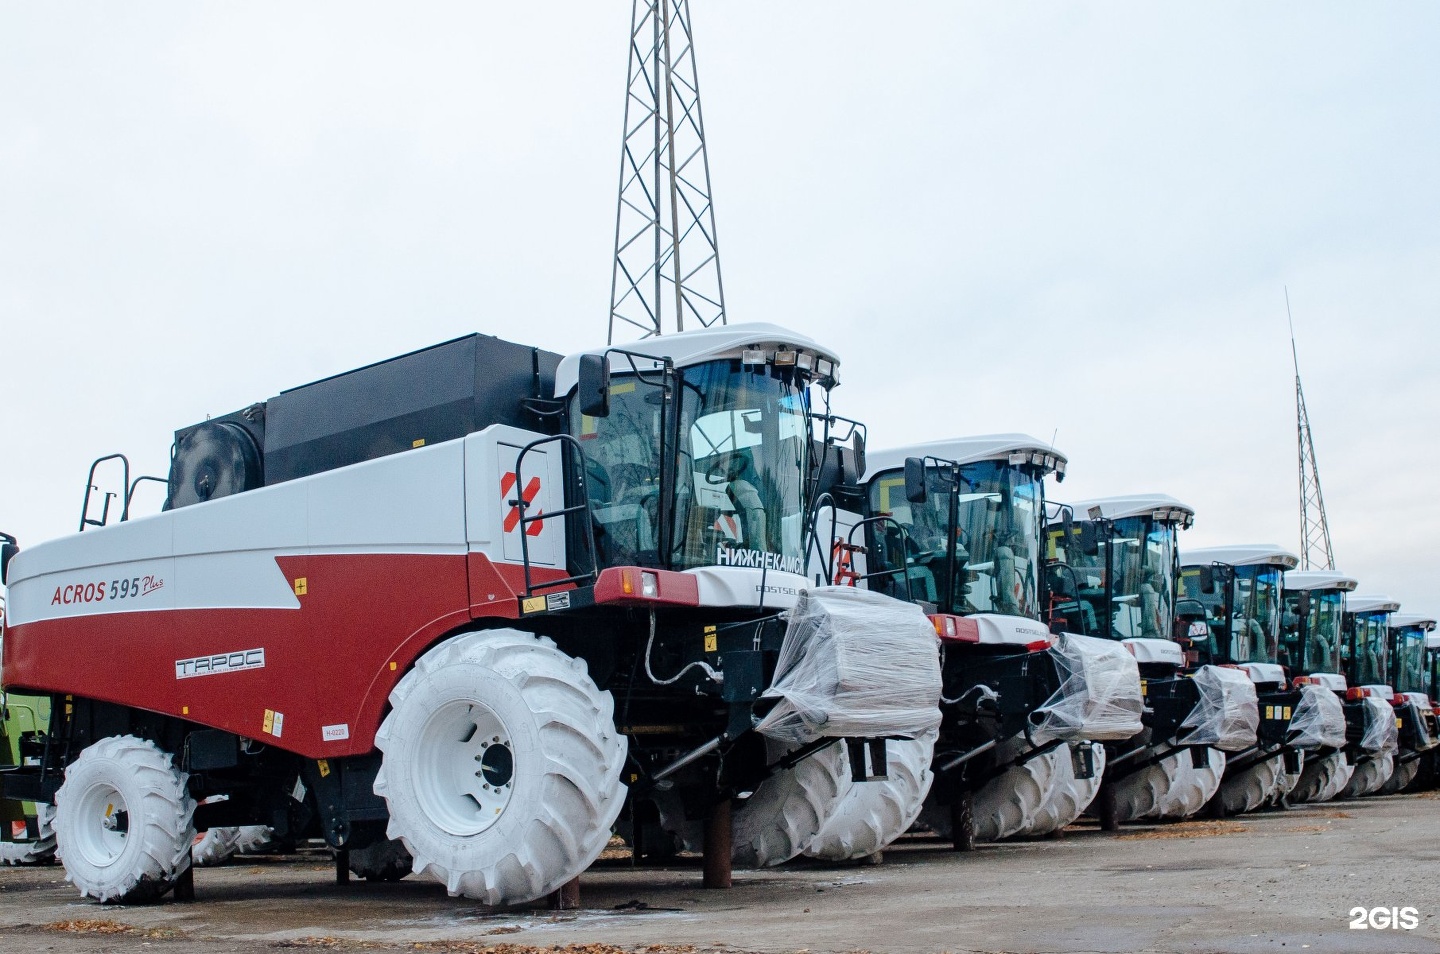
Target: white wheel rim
x=103 y=818
x=464 y=768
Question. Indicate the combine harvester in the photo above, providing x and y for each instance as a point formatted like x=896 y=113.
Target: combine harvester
x=443 y=610
x=957 y=527
x=1414 y=706
x=1363 y=655
x=1239 y=589
x=1114 y=575
x=1311 y=646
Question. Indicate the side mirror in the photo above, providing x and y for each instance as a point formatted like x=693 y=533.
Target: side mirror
x=594 y=385
x=1067 y=522
x=8 y=549
x=1207 y=580
x=915 y=480
x=858 y=447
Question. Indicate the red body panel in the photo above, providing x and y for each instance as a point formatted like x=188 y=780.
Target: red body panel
x=362 y=621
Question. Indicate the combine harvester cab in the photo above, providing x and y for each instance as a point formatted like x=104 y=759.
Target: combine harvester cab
x=1239 y=589
x=956 y=527
x=1411 y=699
x=1429 y=774
x=1312 y=641
x=444 y=610
x=1372 y=722
x=1113 y=573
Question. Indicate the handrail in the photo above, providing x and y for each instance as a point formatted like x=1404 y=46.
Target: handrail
x=85 y=520
x=521 y=504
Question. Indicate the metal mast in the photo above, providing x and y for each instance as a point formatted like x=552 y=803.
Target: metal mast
x=666 y=254
x=1315 y=551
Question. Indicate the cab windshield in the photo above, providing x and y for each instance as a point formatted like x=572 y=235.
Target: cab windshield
x=1366 y=656
x=1138 y=564
x=1310 y=641
x=994 y=543
x=1410 y=660
x=739 y=467
x=1242 y=608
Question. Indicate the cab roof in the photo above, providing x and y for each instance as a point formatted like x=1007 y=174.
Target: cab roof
x=1250 y=554
x=1319 y=580
x=969 y=450
x=1407 y=620
x=688 y=348
x=1161 y=506
x=1371 y=603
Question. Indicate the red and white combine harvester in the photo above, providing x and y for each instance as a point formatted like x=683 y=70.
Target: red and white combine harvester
x=473 y=608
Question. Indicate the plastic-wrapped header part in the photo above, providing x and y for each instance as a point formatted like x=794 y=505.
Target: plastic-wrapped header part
x=1227 y=715
x=1099 y=696
x=1318 y=722
x=1381 y=735
x=854 y=664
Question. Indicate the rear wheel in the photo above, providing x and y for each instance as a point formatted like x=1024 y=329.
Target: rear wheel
x=501 y=766
x=124 y=822
x=870 y=815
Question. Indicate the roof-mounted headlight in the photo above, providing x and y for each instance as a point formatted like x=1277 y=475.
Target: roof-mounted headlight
x=752 y=356
x=786 y=359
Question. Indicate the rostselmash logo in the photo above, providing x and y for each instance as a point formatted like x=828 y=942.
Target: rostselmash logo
x=217 y=664
x=755 y=559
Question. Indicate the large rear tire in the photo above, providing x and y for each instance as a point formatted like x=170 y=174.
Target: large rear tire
x=870 y=815
x=501 y=766
x=124 y=821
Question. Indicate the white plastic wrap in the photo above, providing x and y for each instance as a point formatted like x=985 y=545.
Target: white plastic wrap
x=1381 y=734
x=1227 y=715
x=1099 y=696
x=1318 y=722
x=854 y=664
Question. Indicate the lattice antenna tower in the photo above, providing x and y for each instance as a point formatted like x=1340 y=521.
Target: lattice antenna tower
x=1315 y=549
x=667 y=258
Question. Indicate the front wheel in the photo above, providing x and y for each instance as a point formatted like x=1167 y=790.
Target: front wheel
x=501 y=766
x=124 y=821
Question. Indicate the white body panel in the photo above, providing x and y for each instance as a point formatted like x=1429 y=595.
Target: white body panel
x=1380 y=692
x=998 y=630
x=1330 y=680
x=740 y=586
x=1264 y=672
x=1156 y=651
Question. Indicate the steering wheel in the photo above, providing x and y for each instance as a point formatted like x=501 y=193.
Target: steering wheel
x=726 y=467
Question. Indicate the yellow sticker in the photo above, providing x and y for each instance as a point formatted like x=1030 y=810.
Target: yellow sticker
x=184 y=710
x=1397 y=722
x=269 y=724
x=324 y=766
x=1144 y=687
x=1269 y=712
x=301 y=585
x=711 y=643
x=1287 y=712
x=418 y=443
x=533 y=604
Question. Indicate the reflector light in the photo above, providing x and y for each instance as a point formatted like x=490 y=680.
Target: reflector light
x=649 y=584
x=752 y=356
x=1355 y=693
x=1037 y=646
x=627 y=583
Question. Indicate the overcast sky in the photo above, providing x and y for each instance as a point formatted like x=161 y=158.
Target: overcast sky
x=1060 y=218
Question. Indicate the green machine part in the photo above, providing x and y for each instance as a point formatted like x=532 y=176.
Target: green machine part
x=24 y=717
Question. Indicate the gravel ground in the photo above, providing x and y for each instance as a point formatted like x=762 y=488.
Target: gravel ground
x=1279 y=881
